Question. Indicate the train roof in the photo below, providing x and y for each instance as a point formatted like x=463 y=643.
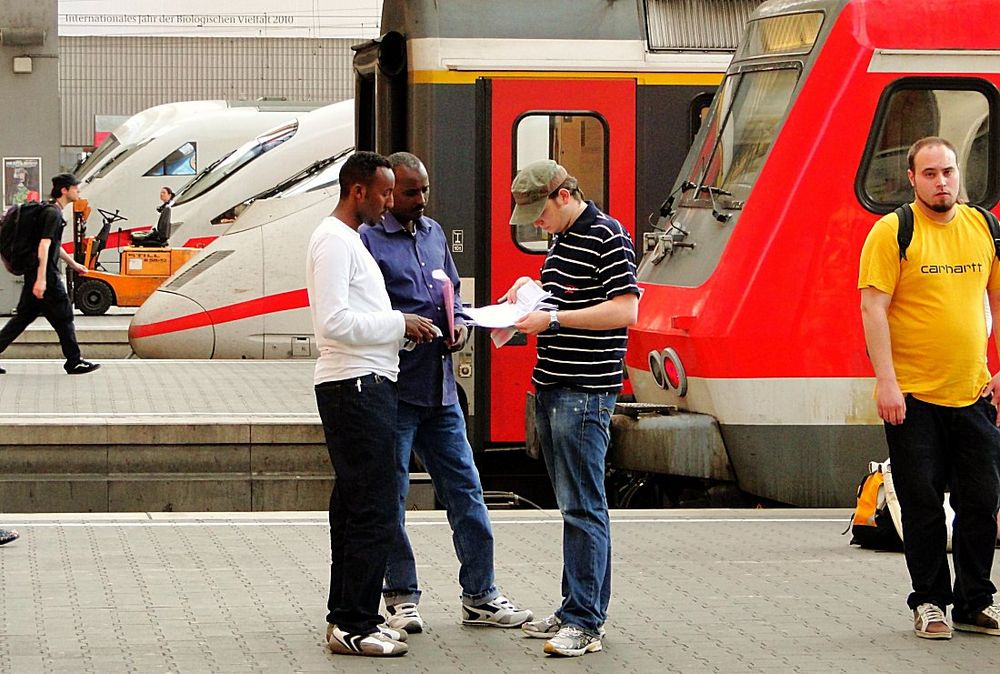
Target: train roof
x=667 y=25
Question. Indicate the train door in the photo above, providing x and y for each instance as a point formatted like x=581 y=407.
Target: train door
x=588 y=126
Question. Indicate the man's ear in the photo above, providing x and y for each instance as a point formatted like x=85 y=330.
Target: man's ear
x=909 y=175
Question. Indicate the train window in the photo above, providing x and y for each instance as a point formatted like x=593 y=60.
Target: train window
x=181 y=162
x=218 y=172
x=743 y=122
x=577 y=141
x=700 y=107
x=115 y=159
x=959 y=110
x=789 y=34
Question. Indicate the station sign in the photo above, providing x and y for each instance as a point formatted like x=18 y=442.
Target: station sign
x=226 y=18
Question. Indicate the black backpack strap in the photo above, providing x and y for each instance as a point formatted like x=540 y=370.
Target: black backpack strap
x=993 y=224
x=904 y=235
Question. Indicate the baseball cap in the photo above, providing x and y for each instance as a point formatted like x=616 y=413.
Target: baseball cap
x=62 y=180
x=531 y=187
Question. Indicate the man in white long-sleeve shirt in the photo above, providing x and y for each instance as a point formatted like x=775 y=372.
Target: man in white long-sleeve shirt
x=359 y=336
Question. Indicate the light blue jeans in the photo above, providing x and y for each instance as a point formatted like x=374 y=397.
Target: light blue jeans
x=574 y=431
x=437 y=435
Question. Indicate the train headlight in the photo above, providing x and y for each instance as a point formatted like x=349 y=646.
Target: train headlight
x=656 y=369
x=673 y=371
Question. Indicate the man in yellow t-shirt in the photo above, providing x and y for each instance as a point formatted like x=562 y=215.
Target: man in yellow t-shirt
x=927 y=339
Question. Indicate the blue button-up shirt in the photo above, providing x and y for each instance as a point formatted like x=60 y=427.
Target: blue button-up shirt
x=407 y=262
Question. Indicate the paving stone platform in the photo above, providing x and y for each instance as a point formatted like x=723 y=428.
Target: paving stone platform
x=694 y=591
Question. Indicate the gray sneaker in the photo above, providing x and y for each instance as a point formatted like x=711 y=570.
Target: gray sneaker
x=376 y=644
x=546 y=628
x=498 y=612
x=571 y=641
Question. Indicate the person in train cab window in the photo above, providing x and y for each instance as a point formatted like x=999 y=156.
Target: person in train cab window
x=590 y=271
x=359 y=335
x=409 y=247
x=927 y=341
x=159 y=235
x=43 y=293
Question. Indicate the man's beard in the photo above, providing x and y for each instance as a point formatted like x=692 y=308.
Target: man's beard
x=940 y=207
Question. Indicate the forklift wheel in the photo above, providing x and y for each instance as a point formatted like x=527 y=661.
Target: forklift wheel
x=93 y=297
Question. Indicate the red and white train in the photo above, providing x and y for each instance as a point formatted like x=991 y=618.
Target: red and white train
x=750 y=314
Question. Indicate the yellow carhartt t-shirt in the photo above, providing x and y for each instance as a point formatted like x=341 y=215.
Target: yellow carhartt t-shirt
x=937 y=323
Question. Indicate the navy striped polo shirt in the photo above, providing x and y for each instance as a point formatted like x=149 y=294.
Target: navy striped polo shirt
x=590 y=262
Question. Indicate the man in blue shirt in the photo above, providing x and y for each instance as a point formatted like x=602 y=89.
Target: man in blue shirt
x=409 y=247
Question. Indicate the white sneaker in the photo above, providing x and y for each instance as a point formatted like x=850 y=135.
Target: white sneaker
x=929 y=622
x=376 y=644
x=570 y=640
x=499 y=612
x=404 y=617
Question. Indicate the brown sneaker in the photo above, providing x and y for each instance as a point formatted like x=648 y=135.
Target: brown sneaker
x=986 y=621
x=929 y=622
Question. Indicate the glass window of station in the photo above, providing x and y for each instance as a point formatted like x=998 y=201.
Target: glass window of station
x=958 y=111
x=577 y=141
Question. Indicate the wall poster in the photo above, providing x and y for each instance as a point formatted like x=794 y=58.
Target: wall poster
x=22 y=180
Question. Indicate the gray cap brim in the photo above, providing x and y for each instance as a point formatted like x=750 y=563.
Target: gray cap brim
x=527 y=214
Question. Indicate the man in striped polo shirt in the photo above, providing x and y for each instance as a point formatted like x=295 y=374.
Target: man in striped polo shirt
x=590 y=272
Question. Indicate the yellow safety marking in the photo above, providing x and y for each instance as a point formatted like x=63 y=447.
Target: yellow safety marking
x=647 y=79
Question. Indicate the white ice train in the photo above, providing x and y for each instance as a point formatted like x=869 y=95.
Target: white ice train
x=244 y=295
x=205 y=207
x=165 y=146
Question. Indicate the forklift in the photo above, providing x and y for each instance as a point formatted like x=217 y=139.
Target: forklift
x=140 y=272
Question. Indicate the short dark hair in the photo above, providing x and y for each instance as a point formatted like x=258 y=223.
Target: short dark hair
x=360 y=169
x=410 y=161
x=572 y=186
x=927 y=142
x=169 y=191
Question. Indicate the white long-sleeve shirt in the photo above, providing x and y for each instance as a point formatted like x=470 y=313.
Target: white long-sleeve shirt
x=356 y=329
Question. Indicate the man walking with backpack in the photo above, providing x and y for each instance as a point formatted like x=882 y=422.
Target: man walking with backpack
x=43 y=292
x=922 y=308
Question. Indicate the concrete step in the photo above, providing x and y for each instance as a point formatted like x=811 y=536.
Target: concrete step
x=100 y=338
x=165 y=436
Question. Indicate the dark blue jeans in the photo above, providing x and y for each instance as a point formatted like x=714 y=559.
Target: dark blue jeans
x=936 y=448
x=359 y=421
x=56 y=308
x=437 y=436
x=574 y=432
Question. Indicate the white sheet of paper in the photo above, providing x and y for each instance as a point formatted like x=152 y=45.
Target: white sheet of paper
x=530 y=297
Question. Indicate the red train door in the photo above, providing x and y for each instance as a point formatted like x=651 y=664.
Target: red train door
x=588 y=126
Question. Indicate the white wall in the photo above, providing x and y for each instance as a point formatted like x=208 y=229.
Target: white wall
x=221 y=18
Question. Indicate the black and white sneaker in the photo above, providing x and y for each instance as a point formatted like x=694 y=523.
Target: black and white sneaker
x=499 y=612
x=3 y=371
x=82 y=367
x=8 y=536
x=404 y=616
x=376 y=644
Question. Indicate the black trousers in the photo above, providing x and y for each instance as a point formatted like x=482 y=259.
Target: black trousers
x=359 y=422
x=933 y=449
x=56 y=308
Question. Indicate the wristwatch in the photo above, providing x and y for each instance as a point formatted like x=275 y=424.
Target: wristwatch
x=553 y=321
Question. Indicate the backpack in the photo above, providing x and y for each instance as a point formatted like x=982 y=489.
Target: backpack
x=872 y=525
x=18 y=248
x=904 y=235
